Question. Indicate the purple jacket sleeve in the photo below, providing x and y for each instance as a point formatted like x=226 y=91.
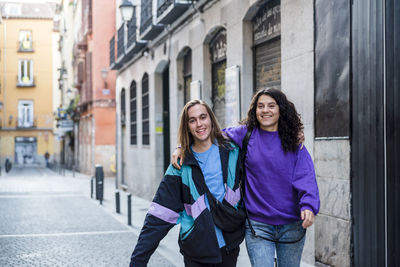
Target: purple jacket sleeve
x=305 y=183
x=236 y=134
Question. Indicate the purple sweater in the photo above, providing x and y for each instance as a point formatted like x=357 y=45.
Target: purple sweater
x=279 y=185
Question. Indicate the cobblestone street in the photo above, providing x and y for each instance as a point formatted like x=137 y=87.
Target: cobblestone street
x=49 y=220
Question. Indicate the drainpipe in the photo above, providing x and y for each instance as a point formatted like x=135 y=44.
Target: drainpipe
x=4 y=71
x=4 y=74
x=116 y=147
x=93 y=140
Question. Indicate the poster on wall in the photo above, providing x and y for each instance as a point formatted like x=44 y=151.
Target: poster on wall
x=232 y=95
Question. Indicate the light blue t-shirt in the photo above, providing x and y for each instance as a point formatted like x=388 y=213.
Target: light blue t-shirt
x=210 y=165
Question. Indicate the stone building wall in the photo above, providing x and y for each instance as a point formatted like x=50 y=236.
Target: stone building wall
x=333 y=224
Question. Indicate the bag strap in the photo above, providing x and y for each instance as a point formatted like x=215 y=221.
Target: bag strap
x=245 y=142
x=253 y=232
x=207 y=190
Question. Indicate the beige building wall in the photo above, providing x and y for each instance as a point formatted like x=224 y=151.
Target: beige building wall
x=41 y=94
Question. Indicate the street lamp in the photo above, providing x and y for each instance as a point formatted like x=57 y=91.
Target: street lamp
x=61 y=83
x=104 y=73
x=126 y=9
x=70 y=94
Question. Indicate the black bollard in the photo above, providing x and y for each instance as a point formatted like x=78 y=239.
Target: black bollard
x=99 y=183
x=117 y=206
x=91 y=187
x=129 y=209
x=8 y=166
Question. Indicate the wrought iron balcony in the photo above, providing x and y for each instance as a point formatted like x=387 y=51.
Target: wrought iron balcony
x=169 y=10
x=120 y=42
x=26 y=81
x=25 y=46
x=112 y=52
x=149 y=30
x=25 y=123
x=131 y=31
x=133 y=45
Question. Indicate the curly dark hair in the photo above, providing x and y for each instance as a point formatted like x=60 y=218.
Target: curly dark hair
x=289 y=123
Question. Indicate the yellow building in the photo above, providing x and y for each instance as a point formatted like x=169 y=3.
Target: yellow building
x=26 y=77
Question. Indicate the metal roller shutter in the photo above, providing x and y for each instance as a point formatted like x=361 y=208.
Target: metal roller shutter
x=268 y=64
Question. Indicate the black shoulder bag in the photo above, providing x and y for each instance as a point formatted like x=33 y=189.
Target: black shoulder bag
x=244 y=152
x=225 y=216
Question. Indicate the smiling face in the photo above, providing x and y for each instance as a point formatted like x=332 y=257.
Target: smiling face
x=199 y=124
x=267 y=113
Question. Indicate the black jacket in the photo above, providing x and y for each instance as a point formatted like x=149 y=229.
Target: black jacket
x=180 y=200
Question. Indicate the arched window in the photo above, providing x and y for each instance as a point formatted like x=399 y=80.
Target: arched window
x=218 y=61
x=267 y=46
x=123 y=110
x=145 y=110
x=187 y=75
x=133 y=109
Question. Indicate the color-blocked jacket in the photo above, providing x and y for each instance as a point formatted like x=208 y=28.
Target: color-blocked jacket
x=180 y=199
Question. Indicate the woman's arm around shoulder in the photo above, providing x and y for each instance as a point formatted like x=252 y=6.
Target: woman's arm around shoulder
x=236 y=134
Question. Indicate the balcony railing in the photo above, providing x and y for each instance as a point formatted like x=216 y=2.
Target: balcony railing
x=32 y=121
x=146 y=24
x=169 y=10
x=112 y=51
x=25 y=46
x=163 y=5
x=132 y=31
x=120 y=44
x=26 y=82
x=21 y=123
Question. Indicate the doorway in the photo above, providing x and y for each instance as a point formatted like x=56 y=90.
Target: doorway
x=25 y=150
x=165 y=118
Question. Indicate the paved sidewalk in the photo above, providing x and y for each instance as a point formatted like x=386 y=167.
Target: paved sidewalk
x=49 y=220
x=168 y=247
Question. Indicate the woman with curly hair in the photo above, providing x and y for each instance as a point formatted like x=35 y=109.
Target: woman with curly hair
x=281 y=193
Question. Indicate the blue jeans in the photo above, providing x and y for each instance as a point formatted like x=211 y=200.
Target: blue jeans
x=262 y=252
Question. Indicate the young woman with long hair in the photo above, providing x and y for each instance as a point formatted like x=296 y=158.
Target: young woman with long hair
x=208 y=160
x=280 y=192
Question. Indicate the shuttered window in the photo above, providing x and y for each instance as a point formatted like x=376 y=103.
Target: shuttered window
x=268 y=64
x=133 y=113
x=267 y=46
x=187 y=75
x=218 y=56
x=123 y=111
x=145 y=110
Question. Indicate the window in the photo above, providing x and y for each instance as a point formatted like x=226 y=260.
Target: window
x=145 y=15
x=25 y=72
x=25 y=41
x=187 y=75
x=25 y=114
x=133 y=109
x=145 y=110
x=218 y=49
x=123 y=107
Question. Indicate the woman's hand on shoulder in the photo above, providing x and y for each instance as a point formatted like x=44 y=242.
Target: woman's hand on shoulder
x=301 y=139
x=175 y=156
x=308 y=218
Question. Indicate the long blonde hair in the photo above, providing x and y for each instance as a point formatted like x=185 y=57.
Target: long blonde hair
x=185 y=138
